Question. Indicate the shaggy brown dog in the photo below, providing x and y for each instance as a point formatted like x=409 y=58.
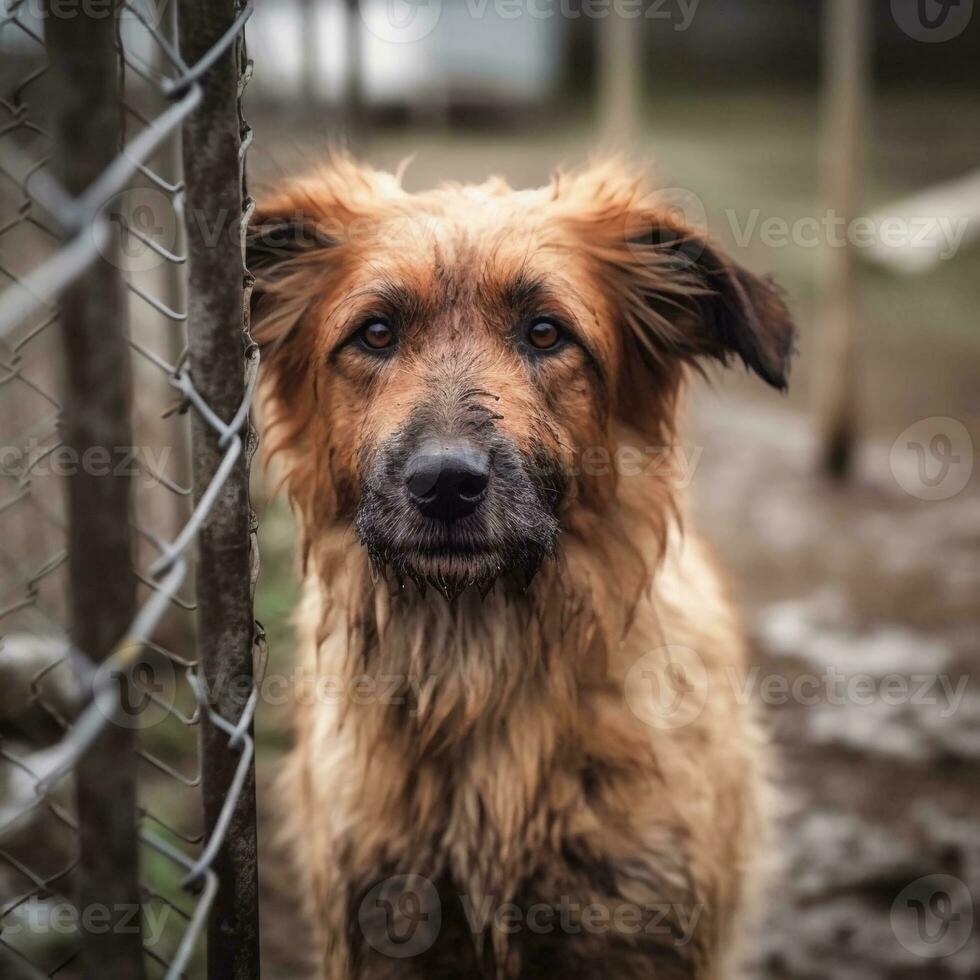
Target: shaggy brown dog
x=520 y=751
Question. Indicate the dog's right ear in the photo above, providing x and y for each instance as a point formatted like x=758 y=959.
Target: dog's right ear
x=284 y=240
x=296 y=238
x=274 y=239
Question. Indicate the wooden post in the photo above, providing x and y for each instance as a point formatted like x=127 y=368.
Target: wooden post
x=620 y=79
x=217 y=336
x=96 y=418
x=845 y=94
x=354 y=82
x=310 y=54
x=176 y=291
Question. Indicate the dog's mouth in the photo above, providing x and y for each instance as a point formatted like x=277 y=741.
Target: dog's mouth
x=453 y=563
x=450 y=516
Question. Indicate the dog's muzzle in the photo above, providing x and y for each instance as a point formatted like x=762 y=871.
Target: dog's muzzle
x=457 y=510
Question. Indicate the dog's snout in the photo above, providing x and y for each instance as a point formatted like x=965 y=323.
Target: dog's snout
x=448 y=479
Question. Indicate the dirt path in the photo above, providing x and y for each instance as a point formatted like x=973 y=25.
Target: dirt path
x=863 y=604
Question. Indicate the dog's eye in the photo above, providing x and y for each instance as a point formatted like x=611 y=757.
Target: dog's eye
x=544 y=335
x=377 y=335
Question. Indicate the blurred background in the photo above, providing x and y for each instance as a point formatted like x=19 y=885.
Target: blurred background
x=847 y=514
x=833 y=144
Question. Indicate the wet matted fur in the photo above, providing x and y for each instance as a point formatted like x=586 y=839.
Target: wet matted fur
x=491 y=777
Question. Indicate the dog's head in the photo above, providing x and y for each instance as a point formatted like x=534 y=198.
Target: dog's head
x=438 y=365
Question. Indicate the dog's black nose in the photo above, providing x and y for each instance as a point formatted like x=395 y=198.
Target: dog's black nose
x=448 y=479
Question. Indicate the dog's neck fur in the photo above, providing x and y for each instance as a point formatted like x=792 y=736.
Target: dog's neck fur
x=459 y=668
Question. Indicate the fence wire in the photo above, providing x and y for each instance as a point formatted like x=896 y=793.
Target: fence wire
x=57 y=701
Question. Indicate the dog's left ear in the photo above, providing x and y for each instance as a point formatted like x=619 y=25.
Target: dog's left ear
x=690 y=298
x=679 y=294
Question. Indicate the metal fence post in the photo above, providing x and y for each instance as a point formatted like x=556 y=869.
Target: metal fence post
x=219 y=349
x=96 y=422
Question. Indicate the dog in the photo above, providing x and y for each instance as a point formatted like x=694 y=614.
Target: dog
x=524 y=756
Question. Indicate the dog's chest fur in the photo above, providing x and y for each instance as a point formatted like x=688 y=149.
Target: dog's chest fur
x=501 y=773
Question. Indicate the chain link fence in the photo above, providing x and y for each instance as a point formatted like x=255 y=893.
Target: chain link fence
x=128 y=562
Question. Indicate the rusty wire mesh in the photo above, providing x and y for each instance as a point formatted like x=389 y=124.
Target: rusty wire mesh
x=55 y=699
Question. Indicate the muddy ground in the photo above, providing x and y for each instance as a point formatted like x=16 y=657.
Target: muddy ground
x=872 y=595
